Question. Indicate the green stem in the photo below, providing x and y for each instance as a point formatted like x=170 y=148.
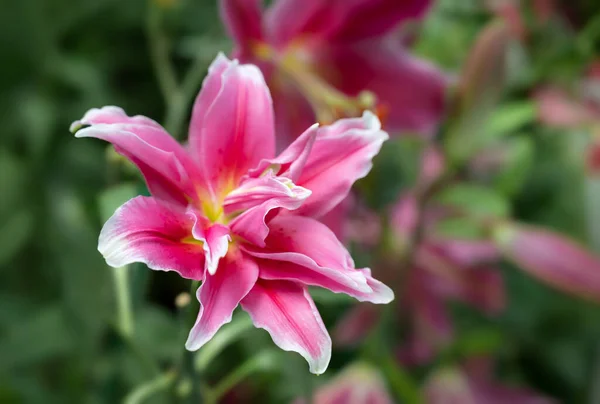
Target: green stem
x=178 y=108
x=125 y=313
x=148 y=389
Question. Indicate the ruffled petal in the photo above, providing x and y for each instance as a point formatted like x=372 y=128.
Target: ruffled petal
x=215 y=239
x=326 y=278
x=166 y=166
x=341 y=154
x=289 y=315
x=232 y=128
x=151 y=231
x=291 y=161
x=256 y=198
x=219 y=295
x=318 y=257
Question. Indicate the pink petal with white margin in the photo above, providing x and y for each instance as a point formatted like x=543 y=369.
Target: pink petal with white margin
x=219 y=295
x=214 y=237
x=289 y=315
x=312 y=246
x=290 y=162
x=326 y=278
x=168 y=169
x=411 y=89
x=342 y=154
x=257 y=197
x=149 y=230
x=231 y=130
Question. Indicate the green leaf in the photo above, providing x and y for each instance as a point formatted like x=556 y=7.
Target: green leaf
x=509 y=118
x=463 y=228
x=520 y=155
x=474 y=200
x=328 y=297
x=110 y=199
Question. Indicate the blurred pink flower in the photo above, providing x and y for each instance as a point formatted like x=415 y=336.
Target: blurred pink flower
x=329 y=57
x=357 y=384
x=551 y=258
x=227 y=212
x=474 y=384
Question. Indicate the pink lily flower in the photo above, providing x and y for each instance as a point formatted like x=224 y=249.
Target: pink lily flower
x=474 y=383
x=357 y=384
x=336 y=58
x=229 y=213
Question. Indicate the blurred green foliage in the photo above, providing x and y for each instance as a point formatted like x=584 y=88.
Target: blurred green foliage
x=58 y=337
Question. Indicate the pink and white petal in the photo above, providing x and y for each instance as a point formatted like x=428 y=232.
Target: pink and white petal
x=232 y=130
x=415 y=103
x=290 y=162
x=168 y=169
x=243 y=20
x=260 y=202
x=288 y=313
x=219 y=295
x=215 y=240
x=341 y=154
x=151 y=231
x=331 y=279
x=313 y=248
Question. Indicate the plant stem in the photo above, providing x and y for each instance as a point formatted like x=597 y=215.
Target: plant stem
x=146 y=390
x=125 y=313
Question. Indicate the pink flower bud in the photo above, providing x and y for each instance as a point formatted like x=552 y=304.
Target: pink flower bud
x=551 y=257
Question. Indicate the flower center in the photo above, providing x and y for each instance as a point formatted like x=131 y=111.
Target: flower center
x=294 y=65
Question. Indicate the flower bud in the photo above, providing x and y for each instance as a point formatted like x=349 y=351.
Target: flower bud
x=551 y=257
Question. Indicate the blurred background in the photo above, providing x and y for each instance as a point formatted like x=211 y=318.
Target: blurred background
x=59 y=341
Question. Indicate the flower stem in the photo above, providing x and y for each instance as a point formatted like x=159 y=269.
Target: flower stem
x=125 y=313
x=146 y=390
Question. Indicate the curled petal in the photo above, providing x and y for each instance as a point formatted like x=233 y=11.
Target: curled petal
x=166 y=166
x=342 y=153
x=151 y=231
x=288 y=313
x=257 y=197
x=232 y=126
x=214 y=238
x=551 y=258
x=313 y=247
x=291 y=161
x=326 y=278
x=219 y=295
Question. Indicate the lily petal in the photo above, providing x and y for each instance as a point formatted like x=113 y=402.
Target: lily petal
x=343 y=20
x=316 y=254
x=291 y=161
x=232 y=129
x=242 y=20
x=219 y=295
x=257 y=197
x=342 y=153
x=151 y=231
x=166 y=166
x=215 y=239
x=416 y=103
x=289 y=315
